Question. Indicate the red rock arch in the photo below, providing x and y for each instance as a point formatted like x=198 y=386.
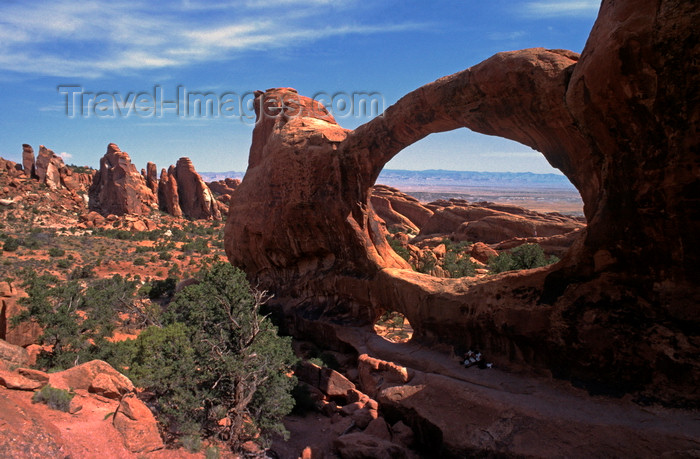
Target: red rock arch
x=620 y=122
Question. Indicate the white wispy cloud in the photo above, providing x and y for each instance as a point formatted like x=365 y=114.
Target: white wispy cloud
x=66 y=156
x=514 y=35
x=553 y=8
x=93 y=38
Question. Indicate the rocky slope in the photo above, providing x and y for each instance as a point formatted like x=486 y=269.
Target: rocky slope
x=104 y=417
x=501 y=225
x=618 y=314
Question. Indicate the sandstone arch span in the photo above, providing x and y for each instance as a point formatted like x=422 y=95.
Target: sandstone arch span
x=620 y=121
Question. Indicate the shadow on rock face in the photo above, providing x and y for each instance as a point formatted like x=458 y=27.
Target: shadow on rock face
x=620 y=121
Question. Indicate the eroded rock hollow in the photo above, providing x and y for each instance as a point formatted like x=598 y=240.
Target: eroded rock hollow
x=620 y=121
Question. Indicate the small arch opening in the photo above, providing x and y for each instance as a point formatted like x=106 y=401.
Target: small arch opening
x=394 y=327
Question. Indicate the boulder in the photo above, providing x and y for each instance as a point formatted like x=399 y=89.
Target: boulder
x=403 y=434
x=16 y=381
x=34 y=375
x=379 y=428
x=23 y=334
x=376 y=374
x=363 y=446
x=334 y=384
x=137 y=425
x=12 y=353
x=482 y=252
x=95 y=376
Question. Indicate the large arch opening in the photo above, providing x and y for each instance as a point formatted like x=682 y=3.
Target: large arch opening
x=462 y=204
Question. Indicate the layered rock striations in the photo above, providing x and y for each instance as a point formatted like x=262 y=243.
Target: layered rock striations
x=620 y=121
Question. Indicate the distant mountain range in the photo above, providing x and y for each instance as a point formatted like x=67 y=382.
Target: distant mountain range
x=463 y=179
x=438 y=178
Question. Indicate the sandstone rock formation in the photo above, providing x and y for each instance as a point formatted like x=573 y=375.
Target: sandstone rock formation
x=196 y=200
x=492 y=223
x=118 y=188
x=151 y=176
x=96 y=377
x=223 y=190
x=620 y=312
x=168 y=196
x=224 y=187
x=137 y=425
x=13 y=354
x=22 y=334
x=28 y=160
x=399 y=210
x=36 y=430
x=48 y=167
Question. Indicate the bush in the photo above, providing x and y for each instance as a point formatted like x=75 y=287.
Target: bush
x=198 y=245
x=139 y=261
x=426 y=263
x=83 y=272
x=75 y=337
x=398 y=248
x=526 y=256
x=63 y=263
x=458 y=265
x=160 y=288
x=56 y=252
x=57 y=399
x=10 y=245
x=215 y=356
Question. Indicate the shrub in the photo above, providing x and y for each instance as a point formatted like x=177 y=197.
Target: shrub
x=198 y=245
x=63 y=263
x=214 y=357
x=57 y=399
x=161 y=288
x=56 y=252
x=458 y=265
x=526 y=256
x=426 y=263
x=192 y=443
x=139 y=261
x=398 y=248
x=83 y=272
x=212 y=452
x=10 y=245
x=74 y=337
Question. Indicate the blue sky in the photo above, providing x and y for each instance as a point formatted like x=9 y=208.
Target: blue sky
x=53 y=53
